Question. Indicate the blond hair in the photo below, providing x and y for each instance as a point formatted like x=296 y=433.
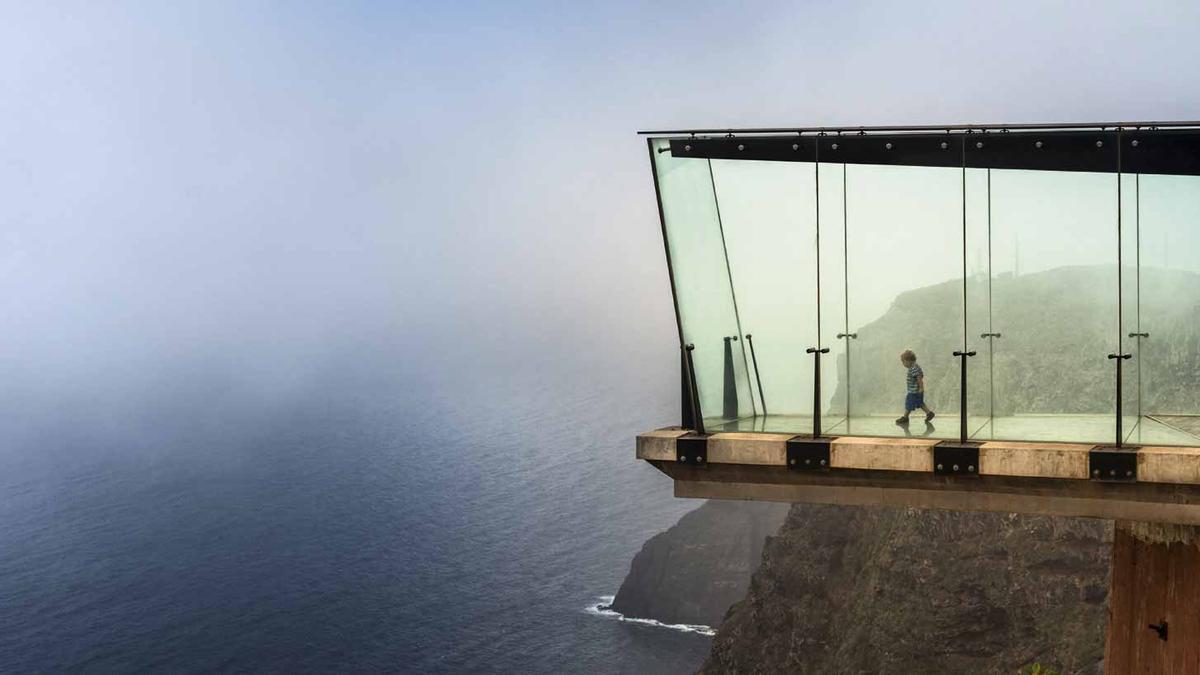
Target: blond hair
x=907 y=355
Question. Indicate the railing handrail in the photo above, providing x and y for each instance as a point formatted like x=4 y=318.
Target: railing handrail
x=950 y=128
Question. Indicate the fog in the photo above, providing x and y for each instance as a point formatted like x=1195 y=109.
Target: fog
x=230 y=205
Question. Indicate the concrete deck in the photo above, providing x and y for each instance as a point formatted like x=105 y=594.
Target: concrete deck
x=1020 y=477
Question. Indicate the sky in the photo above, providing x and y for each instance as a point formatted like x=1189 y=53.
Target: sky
x=212 y=197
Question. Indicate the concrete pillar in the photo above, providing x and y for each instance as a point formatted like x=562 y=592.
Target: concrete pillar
x=1155 y=582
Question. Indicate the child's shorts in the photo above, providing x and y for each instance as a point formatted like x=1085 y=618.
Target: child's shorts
x=914 y=401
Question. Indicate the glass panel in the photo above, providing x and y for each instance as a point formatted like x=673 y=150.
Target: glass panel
x=835 y=366
x=1054 y=301
x=1166 y=218
x=980 y=335
x=768 y=214
x=904 y=241
x=1042 y=272
x=707 y=312
x=1129 y=309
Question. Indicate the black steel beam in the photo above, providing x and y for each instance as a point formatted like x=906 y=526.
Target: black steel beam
x=1146 y=151
x=897 y=149
x=768 y=148
x=1163 y=152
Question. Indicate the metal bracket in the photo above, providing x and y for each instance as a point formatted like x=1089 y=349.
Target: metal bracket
x=692 y=449
x=805 y=453
x=1113 y=464
x=953 y=458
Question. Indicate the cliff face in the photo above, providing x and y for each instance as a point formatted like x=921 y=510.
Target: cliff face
x=901 y=591
x=694 y=571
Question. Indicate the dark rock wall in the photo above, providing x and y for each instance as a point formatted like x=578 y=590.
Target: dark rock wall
x=694 y=571
x=857 y=590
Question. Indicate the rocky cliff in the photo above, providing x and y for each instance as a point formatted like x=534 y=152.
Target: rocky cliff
x=695 y=570
x=856 y=590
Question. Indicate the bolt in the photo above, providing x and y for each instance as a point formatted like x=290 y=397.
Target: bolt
x=834 y=146
x=687 y=148
x=1095 y=472
x=1038 y=144
x=888 y=146
x=971 y=468
x=822 y=462
x=807 y=462
x=793 y=462
x=939 y=467
x=956 y=467
x=1099 y=144
x=945 y=145
x=979 y=144
x=1134 y=144
x=681 y=458
x=1128 y=473
x=1112 y=472
x=795 y=146
x=741 y=147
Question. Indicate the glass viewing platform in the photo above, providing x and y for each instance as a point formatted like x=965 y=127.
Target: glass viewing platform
x=1047 y=280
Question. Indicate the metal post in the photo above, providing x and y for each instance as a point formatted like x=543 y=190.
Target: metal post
x=697 y=417
x=1119 y=358
x=757 y=377
x=962 y=396
x=729 y=407
x=817 y=352
x=687 y=412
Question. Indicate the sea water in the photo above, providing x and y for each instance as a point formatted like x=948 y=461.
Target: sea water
x=433 y=526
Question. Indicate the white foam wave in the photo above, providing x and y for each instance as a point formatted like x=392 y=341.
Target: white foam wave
x=604 y=609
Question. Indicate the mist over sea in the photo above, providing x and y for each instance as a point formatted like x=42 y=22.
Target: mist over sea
x=434 y=523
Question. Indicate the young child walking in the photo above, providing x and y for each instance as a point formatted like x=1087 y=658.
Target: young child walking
x=915 y=385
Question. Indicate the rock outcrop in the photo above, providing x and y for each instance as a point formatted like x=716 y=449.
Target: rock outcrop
x=874 y=590
x=695 y=570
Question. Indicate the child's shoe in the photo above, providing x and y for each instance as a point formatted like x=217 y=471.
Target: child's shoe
x=929 y=416
x=903 y=421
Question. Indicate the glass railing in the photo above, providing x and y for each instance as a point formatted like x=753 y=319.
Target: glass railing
x=1045 y=282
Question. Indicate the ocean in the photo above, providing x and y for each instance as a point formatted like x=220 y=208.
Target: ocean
x=431 y=526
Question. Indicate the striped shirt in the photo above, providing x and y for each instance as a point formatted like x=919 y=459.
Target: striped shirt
x=914 y=372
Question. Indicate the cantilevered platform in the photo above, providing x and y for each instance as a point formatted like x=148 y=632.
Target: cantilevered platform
x=1147 y=430
x=1037 y=283
x=1148 y=483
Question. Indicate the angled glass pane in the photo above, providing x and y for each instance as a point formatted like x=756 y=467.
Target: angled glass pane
x=904 y=293
x=768 y=215
x=707 y=312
